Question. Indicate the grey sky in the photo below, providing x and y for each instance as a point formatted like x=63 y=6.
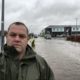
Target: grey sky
x=38 y=14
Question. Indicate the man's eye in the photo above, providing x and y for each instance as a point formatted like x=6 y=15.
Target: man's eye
x=19 y=35
x=13 y=35
x=22 y=35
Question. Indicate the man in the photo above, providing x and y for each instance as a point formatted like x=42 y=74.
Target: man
x=19 y=61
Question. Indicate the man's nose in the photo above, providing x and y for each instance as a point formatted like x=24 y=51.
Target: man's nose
x=17 y=37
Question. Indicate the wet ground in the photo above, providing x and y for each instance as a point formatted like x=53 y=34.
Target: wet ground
x=62 y=56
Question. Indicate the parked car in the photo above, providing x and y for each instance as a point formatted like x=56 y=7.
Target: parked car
x=48 y=36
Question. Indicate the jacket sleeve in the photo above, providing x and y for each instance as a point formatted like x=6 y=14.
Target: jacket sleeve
x=45 y=70
x=49 y=73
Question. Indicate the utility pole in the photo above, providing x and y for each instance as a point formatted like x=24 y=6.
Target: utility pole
x=76 y=29
x=2 y=26
x=76 y=22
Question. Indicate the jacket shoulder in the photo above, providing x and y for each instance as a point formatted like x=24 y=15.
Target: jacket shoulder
x=41 y=60
x=1 y=58
x=45 y=70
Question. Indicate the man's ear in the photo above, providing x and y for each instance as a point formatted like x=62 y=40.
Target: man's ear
x=28 y=38
x=5 y=35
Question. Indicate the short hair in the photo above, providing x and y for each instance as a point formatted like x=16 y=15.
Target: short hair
x=18 y=23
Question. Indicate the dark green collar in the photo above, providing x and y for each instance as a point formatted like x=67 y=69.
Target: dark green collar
x=11 y=52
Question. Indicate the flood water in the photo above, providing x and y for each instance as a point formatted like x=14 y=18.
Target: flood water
x=62 y=56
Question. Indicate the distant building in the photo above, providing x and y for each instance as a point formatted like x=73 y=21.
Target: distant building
x=61 y=30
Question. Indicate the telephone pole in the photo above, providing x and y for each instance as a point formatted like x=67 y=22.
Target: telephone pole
x=76 y=25
x=2 y=26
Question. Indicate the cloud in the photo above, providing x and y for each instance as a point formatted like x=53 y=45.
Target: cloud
x=37 y=14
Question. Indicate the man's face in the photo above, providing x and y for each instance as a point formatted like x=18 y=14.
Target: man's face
x=17 y=36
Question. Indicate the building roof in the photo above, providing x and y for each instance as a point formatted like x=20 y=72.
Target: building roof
x=52 y=26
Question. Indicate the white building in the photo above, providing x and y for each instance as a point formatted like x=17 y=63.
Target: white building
x=56 y=30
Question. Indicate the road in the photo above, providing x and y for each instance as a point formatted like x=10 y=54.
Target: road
x=62 y=56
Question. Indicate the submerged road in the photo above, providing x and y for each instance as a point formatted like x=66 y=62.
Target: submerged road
x=62 y=56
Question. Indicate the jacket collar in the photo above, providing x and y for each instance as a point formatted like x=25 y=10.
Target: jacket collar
x=30 y=54
x=11 y=52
